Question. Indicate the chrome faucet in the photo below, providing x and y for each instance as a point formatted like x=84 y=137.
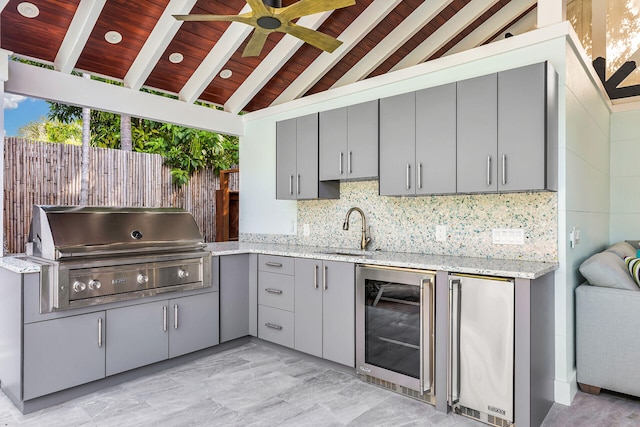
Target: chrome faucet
x=345 y=226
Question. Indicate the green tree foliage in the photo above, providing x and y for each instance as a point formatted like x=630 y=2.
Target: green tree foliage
x=53 y=131
x=185 y=150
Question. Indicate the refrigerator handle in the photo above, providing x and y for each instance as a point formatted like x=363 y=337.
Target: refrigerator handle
x=453 y=370
x=426 y=366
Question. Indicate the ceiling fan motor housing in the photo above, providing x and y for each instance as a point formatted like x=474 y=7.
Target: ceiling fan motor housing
x=269 y=22
x=273 y=3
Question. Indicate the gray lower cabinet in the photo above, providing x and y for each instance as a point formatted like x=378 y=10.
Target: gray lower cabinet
x=297 y=161
x=349 y=142
x=193 y=323
x=325 y=309
x=136 y=336
x=234 y=297
x=63 y=353
x=276 y=299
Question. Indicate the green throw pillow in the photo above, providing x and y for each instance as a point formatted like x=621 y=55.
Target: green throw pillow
x=633 y=264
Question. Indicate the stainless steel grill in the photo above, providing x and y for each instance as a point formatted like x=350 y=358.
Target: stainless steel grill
x=96 y=255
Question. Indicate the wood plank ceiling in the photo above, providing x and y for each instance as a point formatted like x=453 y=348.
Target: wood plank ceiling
x=379 y=36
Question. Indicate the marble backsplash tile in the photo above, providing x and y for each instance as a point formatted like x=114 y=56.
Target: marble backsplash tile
x=408 y=224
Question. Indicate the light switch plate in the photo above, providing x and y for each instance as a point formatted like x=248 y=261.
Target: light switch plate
x=441 y=233
x=508 y=236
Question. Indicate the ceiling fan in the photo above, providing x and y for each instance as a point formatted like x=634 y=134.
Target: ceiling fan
x=270 y=16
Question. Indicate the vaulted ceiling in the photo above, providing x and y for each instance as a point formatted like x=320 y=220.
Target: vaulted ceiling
x=378 y=36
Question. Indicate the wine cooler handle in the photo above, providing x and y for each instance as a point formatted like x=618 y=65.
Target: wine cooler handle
x=453 y=377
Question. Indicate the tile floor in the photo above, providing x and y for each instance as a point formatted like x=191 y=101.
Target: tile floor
x=258 y=385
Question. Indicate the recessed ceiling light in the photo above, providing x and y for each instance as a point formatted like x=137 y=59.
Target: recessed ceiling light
x=225 y=74
x=113 y=37
x=176 y=57
x=28 y=10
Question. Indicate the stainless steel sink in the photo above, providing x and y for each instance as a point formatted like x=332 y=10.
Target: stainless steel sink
x=350 y=252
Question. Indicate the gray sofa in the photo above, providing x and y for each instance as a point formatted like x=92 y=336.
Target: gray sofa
x=608 y=324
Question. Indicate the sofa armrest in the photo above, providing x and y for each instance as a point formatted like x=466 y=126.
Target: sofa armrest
x=608 y=338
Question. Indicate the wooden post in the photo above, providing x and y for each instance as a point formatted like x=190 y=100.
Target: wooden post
x=222 y=206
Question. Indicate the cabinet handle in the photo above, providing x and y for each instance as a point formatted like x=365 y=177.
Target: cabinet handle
x=273 y=264
x=100 y=332
x=420 y=175
x=340 y=162
x=291 y=185
x=273 y=291
x=408 y=172
x=324 y=278
x=273 y=326
x=349 y=163
x=164 y=318
x=298 y=184
x=504 y=169
x=175 y=316
x=488 y=171
x=315 y=277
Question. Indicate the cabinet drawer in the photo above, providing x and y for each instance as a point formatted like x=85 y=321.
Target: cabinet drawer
x=276 y=264
x=275 y=325
x=276 y=290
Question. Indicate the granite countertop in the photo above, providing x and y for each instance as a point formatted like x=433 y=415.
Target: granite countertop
x=454 y=264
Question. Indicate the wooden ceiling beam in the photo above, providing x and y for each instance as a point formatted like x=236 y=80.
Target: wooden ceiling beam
x=158 y=41
x=270 y=65
x=492 y=25
x=394 y=40
x=350 y=37
x=445 y=33
x=77 y=35
x=215 y=60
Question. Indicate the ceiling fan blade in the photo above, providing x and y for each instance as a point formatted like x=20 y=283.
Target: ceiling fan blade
x=309 y=7
x=256 y=43
x=227 y=18
x=258 y=7
x=313 y=37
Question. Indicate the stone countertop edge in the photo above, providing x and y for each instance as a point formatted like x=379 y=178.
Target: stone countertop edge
x=454 y=264
x=19 y=264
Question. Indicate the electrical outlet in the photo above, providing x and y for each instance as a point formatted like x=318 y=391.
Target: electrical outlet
x=306 y=231
x=574 y=236
x=508 y=236
x=441 y=233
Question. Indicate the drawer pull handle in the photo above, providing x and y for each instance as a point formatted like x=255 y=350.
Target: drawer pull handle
x=273 y=291
x=273 y=326
x=273 y=264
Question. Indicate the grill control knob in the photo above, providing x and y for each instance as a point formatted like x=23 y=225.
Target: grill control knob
x=142 y=279
x=79 y=286
x=94 y=284
x=183 y=274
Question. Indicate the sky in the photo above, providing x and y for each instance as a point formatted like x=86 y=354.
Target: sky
x=20 y=110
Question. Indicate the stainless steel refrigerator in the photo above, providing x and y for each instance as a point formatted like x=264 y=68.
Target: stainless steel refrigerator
x=481 y=348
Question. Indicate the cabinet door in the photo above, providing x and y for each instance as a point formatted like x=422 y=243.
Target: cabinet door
x=306 y=180
x=338 y=313
x=362 y=137
x=234 y=297
x=397 y=145
x=522 y=128
x=436 y=140
x=333 y=144
x=63 y=353
x=477 y=129
x=136 y=336
x=194 y=323
x=308 y=306
x=286 y=159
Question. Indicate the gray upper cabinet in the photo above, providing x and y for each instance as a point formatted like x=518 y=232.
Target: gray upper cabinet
x=527 y=128
x=477 y=134
x=436 y=140
x=325 y=309
x=507 y=131
x=349 y=142
x=297 y=161
x=397 y=145
x=63 y=353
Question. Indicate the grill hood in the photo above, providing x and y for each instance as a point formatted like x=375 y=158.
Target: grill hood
x=79 y=231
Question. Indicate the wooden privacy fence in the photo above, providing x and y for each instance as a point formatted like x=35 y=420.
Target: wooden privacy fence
x=50 y=174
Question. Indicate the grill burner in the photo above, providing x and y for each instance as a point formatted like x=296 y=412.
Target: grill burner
x=93 y=255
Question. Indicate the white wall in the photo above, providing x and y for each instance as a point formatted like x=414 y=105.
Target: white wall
x=583 y=201
x=625 y=176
